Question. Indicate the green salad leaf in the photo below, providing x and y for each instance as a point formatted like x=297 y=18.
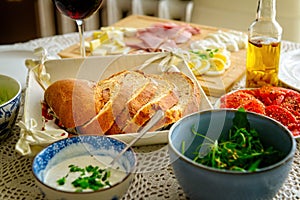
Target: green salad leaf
x=240 y=120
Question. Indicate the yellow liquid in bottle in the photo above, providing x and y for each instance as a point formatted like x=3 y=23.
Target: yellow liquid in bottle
x=262 y=62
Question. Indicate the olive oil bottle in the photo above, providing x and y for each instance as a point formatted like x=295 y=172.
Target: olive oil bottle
x=263 y=51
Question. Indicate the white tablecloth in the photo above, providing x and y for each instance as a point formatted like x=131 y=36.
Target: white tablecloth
x=17 y=181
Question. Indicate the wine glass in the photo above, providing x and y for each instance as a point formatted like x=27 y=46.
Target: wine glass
x=78 y=10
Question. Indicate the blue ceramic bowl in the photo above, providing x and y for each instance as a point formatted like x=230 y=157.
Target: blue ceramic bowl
x=90 y=146
x=10 y=101
x=203 y=182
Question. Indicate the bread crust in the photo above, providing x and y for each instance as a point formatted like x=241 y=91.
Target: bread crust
x=72 y=101
x=128 y=84
x=104 y=118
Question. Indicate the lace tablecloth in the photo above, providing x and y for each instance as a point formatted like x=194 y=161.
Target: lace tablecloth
x=154 y=178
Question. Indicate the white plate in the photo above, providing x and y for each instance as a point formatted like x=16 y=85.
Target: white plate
x=95 y=68
x=12 y=63
x=289 y=70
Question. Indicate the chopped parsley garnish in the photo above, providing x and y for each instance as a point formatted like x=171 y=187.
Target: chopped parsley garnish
x=61 y=181
x=209 y=53
x=90 y=178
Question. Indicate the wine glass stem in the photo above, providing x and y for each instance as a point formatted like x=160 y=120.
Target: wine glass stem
x=80 y=24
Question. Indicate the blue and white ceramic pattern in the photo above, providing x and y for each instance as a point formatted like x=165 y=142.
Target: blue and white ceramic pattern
x=203 y=182
x=79 y=146
x=10 y=109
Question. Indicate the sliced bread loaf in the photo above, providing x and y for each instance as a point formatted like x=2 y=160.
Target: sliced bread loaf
x=139 y=98
x=189 y=99
x=124 y=86
x=123 y=102
x=165 y=97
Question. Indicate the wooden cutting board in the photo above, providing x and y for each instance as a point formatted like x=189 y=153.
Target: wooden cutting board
x=212 y=85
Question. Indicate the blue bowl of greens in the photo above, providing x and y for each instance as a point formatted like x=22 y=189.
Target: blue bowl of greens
x=230 y=154
x=10 y=101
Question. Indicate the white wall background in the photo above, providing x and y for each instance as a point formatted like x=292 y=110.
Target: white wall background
x=238 y=14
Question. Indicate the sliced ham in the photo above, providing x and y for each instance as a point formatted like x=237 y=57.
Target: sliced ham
x=164 y=36
x=168 y=45
x=151 y=40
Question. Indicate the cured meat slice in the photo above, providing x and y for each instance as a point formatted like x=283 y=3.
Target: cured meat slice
x=163 y=36
x=151 y=40
x=186 y=27
x=168 y=45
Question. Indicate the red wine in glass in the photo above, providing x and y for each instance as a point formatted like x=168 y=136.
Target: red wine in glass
x=78 y=10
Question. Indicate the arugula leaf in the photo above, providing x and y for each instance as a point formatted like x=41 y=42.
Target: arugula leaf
x=240 y=120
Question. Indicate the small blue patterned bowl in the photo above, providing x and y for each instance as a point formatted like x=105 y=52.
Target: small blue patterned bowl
x=10 y=101
x=85 y=150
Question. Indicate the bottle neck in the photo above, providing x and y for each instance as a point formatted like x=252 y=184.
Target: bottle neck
x=266 y=10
